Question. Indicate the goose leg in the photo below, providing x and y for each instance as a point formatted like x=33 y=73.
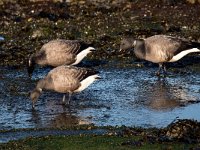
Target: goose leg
x=63 y=100
x=160 y=68
x=69 y=98
x=164 y=70
x=33 y=106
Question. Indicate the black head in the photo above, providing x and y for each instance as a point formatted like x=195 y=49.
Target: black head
x=127 y=43
x=34 y=95
x=30 y=66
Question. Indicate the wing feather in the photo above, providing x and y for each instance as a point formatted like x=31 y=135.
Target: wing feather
x=69 y=77
x=60 y=45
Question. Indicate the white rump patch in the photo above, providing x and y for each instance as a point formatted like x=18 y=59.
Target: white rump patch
x=86 y=82
x=183 y=53
x=83 y=54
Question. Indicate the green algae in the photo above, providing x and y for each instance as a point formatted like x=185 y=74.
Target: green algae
x=93 y=142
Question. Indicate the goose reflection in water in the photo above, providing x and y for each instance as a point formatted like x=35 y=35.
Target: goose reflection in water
x=161 y=95
x=66 y=120
x=62 y=119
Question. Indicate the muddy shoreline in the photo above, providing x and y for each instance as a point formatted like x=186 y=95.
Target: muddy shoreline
x=181 y=130
x=7 y=136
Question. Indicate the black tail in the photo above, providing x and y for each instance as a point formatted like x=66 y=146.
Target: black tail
x=195 y=44
x=86 y=73
x=187 y=45
x=85 y=45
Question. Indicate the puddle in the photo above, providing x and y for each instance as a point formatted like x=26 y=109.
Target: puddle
x=125 y=96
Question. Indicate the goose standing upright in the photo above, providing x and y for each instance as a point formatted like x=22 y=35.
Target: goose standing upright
x=160 y=49
x=65 y=79
x=59 y=52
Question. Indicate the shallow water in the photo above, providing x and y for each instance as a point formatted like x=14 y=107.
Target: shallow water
x=128 y=96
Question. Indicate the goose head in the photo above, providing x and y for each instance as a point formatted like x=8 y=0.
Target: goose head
x=34 y=95
x=127 y=43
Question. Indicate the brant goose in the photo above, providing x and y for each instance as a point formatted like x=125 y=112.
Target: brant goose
x=59 y=52
x=160 y=49
x=65 y=79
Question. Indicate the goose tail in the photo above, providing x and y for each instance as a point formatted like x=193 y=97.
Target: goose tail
x=196 y=44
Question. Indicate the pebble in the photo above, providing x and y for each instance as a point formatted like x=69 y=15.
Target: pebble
x=2 y=38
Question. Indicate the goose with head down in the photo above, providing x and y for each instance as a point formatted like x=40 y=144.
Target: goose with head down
x=65 y=79
x=160 y=49
x=59 y=52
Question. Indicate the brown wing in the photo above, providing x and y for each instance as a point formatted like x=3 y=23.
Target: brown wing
x=67 y=46
x=168 y=44
x=60 y=52
x=68 y=78
x=77 y=73
x=161 y=48
x=82 y=73
x=74 y=46
x=63 y=80
x=180 y=44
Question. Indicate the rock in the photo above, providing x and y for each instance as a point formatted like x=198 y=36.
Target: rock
x=2 y=38
x=186 y=130
x=39 y=33
x=193 y=1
